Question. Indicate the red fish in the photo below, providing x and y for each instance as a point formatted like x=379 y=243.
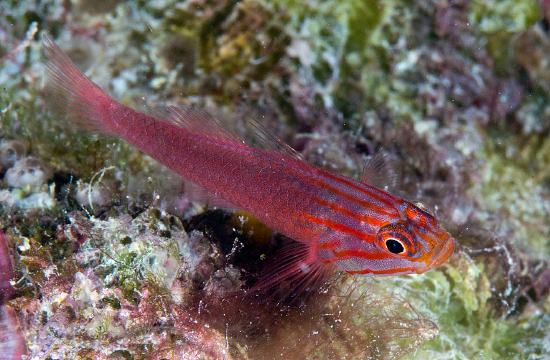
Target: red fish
x=335 y=220
x=12 y=341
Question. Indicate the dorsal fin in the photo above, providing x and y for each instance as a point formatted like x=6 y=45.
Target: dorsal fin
x=202 y=123
x=198 y=121
x=378 y=171
x=268 y=141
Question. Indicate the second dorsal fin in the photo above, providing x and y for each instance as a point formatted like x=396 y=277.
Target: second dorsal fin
x=198 y=121
x=379 y=172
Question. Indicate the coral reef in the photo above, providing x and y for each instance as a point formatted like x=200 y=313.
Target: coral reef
x=113 y=259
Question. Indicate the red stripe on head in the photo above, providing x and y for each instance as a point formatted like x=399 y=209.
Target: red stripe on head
x=362 y=218
x=342 y=228
x=366 y=189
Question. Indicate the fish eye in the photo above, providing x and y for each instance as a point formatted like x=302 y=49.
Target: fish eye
x=395 y=246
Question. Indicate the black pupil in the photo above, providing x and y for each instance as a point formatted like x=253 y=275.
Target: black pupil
x=394 y=246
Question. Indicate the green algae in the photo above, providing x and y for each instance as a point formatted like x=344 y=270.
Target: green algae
x=517 y=166
x=503 y=16
x=470 y=328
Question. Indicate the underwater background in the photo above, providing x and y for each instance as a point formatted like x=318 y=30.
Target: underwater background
x=114 y=260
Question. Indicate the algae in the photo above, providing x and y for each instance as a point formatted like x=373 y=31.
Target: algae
x=455 y=92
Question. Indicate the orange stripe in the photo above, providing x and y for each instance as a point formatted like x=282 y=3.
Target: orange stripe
x=329 y=245
x=351 y=198
x=363 y=188
x=348 y=254
x=363 y=218
x=339 y=227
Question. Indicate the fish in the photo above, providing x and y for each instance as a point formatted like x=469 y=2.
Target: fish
x=6 y=270
x=336 y=222
x=12 y=340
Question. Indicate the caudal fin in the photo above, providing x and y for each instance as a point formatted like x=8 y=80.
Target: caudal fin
x=73 y=95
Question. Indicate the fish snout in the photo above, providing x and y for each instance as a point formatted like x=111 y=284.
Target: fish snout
x=443 y=252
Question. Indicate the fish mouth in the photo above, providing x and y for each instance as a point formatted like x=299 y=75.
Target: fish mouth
x=443 y=252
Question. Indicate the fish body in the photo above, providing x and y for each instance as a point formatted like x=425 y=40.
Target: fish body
x=335 y=220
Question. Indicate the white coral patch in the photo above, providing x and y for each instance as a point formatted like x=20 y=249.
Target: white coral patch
x=28 y=171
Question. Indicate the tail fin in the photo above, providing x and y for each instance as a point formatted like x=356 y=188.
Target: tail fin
x=72 y=94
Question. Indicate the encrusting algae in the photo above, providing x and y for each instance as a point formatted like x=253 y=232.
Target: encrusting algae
x=113 y=259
